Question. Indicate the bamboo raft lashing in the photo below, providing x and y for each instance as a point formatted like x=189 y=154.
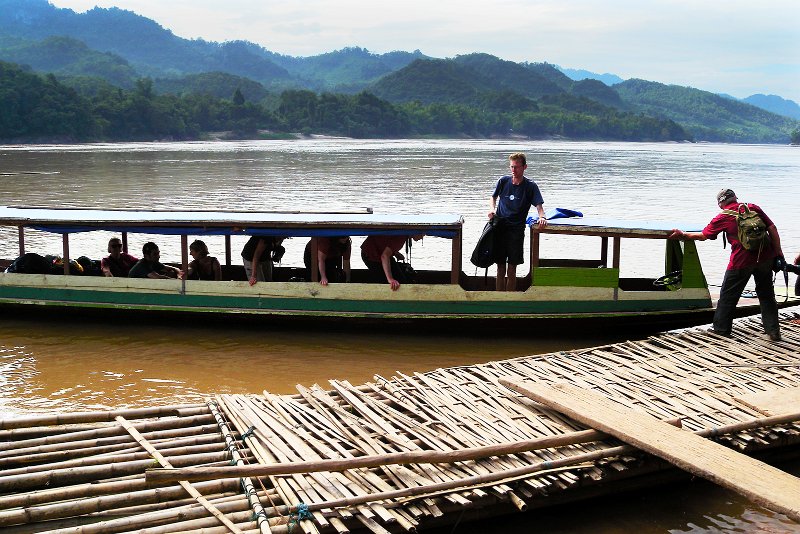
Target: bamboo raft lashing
x=440 y=435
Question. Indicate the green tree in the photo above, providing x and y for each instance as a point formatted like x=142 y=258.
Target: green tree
x=238 y=97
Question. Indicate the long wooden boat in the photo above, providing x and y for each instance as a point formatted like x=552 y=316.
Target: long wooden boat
x=556 y=291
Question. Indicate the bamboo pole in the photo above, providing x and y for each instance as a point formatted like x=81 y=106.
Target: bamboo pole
x=14 y=439
x=112 y=443
x=160 y=476
x=62 y=477
x=63 y=505
x=94 y=417
x=180 y=500
x=169 y=517
x=185 y=485
x=120 y=456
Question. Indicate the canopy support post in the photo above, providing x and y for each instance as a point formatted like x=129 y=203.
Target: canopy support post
x=65 y=248
x=185 y=253
x=314 y=260
x=228 y=250
x=535 y=240
x=21 y=233
x=455 y=270
x=615 y=262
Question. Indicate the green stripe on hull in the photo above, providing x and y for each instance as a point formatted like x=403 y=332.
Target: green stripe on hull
x=277 y=305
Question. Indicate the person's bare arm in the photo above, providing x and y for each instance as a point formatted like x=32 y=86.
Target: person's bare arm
x=386 y=262
x=323 y=275
x=692 y=236
x=776 y=240
x=262 y=244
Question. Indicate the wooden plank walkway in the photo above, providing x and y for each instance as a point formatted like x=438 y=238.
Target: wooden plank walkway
x=87 y=473
x=759 y=482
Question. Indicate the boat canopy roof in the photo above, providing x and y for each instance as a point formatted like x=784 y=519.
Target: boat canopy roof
x=288 y=224
x=615 y=227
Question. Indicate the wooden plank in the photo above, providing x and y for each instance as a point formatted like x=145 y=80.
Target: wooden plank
x=759 y=482
x=772 y=402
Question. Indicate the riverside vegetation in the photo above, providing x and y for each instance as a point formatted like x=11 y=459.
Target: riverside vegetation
x=35 y=108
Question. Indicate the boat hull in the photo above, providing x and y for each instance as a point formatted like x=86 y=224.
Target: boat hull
x=437 y=306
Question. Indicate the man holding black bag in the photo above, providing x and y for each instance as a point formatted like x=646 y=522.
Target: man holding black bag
x=510 y=203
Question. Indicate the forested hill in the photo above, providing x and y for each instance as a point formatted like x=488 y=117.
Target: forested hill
x=244 y=87
x=37 y=108
x=156 y=52
x=708 y=116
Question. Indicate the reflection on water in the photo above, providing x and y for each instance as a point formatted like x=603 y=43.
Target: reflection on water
x=86 y=366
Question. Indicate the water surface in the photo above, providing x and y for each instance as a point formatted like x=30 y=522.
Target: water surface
x=67 y=365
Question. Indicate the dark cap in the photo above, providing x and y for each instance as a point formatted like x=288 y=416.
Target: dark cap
x=725 y=194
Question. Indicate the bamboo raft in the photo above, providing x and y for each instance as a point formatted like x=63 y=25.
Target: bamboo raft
x=396 y=454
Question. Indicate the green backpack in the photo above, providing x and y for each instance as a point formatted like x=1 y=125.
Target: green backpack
x=751 y=230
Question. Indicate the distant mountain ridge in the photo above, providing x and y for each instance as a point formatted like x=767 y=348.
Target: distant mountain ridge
x=775 y=104
x=120 y=46
x=581 y=74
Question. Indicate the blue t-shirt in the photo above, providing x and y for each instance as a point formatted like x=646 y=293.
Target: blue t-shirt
x=515 y=201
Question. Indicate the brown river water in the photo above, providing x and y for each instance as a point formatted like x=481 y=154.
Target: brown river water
x=66 y=365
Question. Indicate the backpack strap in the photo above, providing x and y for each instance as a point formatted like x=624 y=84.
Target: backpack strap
x=734 y=214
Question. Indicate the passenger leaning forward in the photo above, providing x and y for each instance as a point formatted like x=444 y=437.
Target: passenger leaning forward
x=380 y=254
x=333 y=259
x=257 y=256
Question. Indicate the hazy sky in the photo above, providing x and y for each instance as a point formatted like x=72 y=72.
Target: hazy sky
x=739 y=47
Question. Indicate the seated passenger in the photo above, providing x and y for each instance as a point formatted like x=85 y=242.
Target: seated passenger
x=203 y=266
x=150 y=267
x=117 y=263
x=258 y=254
x=380 y=254
x=333 y=259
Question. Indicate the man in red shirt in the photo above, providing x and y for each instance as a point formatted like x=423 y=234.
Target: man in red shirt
x=743 y=263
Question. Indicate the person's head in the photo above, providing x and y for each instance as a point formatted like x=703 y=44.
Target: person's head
x=517 y=162
x=115 y=246
x=725 y=197
x=150 y=251
x=198 y=248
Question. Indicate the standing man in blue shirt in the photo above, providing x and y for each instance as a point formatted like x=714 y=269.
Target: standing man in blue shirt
x=510 y=203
